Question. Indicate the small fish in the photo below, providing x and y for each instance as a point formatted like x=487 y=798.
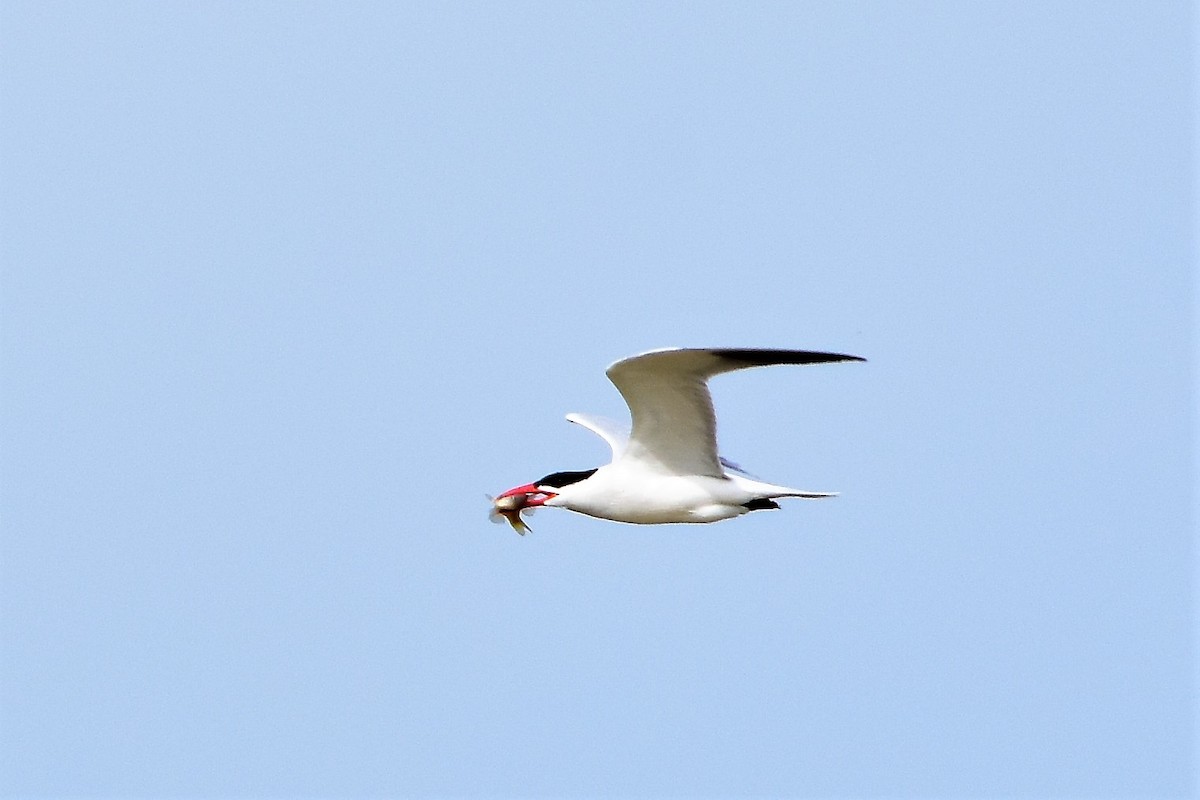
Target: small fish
x=509 y=508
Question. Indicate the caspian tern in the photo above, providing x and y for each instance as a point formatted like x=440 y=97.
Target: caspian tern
x=667 y=469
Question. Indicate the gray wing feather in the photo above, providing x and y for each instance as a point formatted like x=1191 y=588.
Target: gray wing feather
x=612 y=432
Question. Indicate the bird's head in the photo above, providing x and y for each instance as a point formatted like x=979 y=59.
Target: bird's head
x=538 y=493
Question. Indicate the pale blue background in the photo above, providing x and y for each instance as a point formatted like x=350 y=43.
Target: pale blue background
x=287 y=287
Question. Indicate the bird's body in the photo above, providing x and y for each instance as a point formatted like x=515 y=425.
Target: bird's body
x=667 y=470
x=618 y=493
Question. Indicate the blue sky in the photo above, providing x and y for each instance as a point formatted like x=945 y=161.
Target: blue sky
x=287 y=288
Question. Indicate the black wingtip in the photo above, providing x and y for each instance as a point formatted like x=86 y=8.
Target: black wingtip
x=766 y=357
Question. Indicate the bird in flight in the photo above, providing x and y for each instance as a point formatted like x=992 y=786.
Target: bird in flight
x=666 y=469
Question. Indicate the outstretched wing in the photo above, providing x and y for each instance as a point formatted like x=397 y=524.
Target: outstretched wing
x=612 y=432
x=674 y=425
